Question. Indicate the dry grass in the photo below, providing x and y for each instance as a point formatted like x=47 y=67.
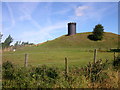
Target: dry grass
x=110 y=82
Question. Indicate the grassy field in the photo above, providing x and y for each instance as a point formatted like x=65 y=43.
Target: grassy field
x=76 y=57
x=51 y=56
x=78 y=49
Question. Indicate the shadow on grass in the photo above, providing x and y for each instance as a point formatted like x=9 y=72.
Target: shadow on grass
x=94 y=37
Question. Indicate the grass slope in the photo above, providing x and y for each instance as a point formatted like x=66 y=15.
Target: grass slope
x=76 y=48
x=80 y=40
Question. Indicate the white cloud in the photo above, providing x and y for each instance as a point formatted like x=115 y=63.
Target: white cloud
x=79 y=11
x=91 y=11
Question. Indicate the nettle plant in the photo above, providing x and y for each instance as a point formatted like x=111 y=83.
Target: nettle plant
x=94 y=71
x=116 y=63
x=8 y=70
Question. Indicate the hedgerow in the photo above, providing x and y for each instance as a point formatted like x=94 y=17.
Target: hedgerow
x=93 y=75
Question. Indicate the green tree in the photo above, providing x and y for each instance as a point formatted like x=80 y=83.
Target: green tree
x=0 y=40
x=0 y=37
x=7 y=42
x=25 y=43
x=16 y=44
x=98 y=32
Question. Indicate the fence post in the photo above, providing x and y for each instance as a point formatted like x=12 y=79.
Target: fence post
x=66 y=67
x=114 y=56
x=118 y=78
x=26 y=60
x=95 y=55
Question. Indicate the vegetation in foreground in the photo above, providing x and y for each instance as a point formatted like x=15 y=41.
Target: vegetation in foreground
x=94 y=75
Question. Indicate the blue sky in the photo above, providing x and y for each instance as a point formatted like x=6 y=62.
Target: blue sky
x=41 y=21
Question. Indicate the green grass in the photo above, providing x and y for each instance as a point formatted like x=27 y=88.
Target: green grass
x=80 y=40
x=55 y=57
x=78 y=49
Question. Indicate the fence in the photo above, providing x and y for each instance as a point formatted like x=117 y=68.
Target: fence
x=66 y=61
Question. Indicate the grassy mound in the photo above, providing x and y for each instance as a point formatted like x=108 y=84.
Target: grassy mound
x=80 y=40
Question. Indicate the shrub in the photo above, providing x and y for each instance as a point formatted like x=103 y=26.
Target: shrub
x=94 y=71
x=51 y=77
x=114 y=50
x=7 y=65
x=48 y=71
x=116 y=63
x=52 y=73
x=8 y=70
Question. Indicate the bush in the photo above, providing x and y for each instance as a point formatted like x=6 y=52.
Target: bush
x=48 y=71
x=51 y=77
x=114 y=50
x=94 y=71
x=116 y=63
x=52 y=73
x=7 y=65
x=8 y=70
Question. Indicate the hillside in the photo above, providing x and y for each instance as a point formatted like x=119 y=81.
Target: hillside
x=76 y=48
x=80 y=40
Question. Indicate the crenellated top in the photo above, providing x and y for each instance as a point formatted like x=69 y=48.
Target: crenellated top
x=72 y=23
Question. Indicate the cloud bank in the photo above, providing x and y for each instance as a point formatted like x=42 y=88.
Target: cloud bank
x=79 y=11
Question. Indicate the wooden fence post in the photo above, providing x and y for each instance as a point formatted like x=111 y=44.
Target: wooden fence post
x=114 y=56
x=118 y=78
x=26 y=60
x=95 y=55
x=66 y=67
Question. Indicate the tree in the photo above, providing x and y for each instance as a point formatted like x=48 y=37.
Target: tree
x=25 y=43
x=97 y=33
x=7 y=41
x=17 y=44
x=0 y=40
x=0 y=37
